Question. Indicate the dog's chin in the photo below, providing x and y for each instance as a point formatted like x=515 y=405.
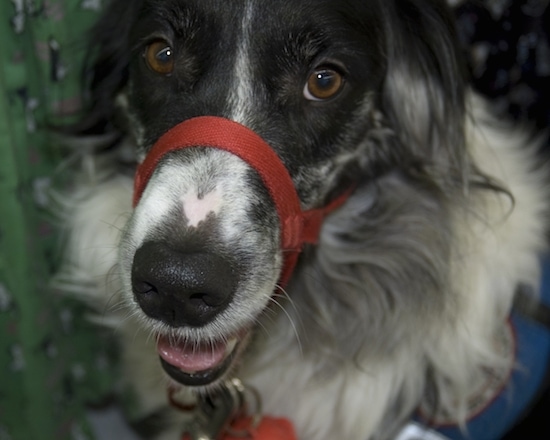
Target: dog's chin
x=199 y=364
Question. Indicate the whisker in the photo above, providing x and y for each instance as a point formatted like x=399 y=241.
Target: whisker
x=261 y=325
x=282 y=293
x=274 y=300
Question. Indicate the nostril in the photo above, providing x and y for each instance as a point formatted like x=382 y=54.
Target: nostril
x=210 y=300
x=181 y=288
x=144 y=287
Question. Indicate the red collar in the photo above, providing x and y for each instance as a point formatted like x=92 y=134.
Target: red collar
x=269 y=428
x=297 y=227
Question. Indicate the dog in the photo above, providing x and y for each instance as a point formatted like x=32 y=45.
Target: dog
x=429 y=215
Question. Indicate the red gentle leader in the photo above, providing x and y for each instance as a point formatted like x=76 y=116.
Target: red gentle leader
x=297 y=227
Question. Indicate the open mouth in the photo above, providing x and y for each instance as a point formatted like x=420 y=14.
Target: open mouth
x=194 y=364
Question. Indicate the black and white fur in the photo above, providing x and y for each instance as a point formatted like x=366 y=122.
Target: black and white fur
x=413 y=278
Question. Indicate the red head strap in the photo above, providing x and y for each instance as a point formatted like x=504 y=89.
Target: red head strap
x=297 y=226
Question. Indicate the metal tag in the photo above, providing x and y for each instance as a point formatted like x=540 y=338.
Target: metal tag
x=214 y=413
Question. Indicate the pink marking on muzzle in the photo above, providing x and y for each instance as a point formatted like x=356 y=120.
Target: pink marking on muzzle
x=297 y=227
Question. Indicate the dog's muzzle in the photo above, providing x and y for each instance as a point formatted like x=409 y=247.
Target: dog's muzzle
x=297 y=227
x=198 y=365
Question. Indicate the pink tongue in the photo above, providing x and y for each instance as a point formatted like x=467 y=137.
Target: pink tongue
x=191 y=358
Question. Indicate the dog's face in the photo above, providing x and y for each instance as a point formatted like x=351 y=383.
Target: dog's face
x=324 y=83
x=296 y=73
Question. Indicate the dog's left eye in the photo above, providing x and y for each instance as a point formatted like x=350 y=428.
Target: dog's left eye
x=324 y=83
x=160 y=57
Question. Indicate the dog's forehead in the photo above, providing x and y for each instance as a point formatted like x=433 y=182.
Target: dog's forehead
x=249 y=61
x=264 y=18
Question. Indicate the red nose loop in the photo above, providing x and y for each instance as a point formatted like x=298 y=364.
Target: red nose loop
x=297 y=227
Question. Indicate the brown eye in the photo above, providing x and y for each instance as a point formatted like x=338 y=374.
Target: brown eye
x=160 y=57
x=324 y=83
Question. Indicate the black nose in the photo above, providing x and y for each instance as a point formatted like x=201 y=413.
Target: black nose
x=181 y=289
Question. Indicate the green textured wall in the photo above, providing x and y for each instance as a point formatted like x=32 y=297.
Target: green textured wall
x=51 y=360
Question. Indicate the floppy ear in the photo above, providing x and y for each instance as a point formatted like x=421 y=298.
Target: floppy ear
x=424 y=92
x=106 y=72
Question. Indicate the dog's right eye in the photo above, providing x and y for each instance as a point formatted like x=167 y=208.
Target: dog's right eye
x=160 y=57
x=323 y=83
